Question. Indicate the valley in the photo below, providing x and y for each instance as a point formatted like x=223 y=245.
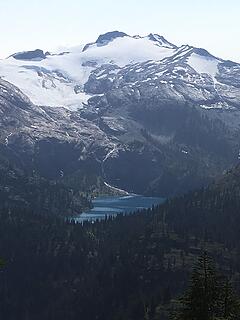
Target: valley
x=119 y=167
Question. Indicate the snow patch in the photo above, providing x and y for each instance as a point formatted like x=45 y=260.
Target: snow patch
x=117 y=189
x=203 y=64
x=7 y=137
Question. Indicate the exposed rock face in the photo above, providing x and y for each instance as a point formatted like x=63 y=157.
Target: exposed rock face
x=104 y=39
x=40 y=147
x=34 y=55
x=109 y=36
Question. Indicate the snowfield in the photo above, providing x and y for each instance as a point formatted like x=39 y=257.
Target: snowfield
x=58 y=80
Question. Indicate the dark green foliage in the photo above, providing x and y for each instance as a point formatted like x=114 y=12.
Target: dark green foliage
x=124 y=268
x=209 y=296
x=115 y=269
x=23 y=189
x=210 y=214
x=2 y=263
x=201 y=301
x=131 y=267
x=230 y=303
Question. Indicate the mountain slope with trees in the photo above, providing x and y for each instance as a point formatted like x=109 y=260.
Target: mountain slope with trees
x=132 y=267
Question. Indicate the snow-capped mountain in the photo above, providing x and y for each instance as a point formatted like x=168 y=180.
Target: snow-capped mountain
x=145 y=115
x=59 y=79
x=189 y=75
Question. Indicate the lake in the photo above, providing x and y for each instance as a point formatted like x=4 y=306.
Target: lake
x=114 y=205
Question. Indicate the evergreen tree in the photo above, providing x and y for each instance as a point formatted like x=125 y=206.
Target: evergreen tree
x=208 y=297
x=230 y=302
x=201 y=300
x=2 y=262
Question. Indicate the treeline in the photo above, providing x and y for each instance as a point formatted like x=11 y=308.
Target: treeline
x=23 y=188
x=211 y=214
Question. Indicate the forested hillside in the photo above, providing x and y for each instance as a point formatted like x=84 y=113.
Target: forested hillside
x=131 y=267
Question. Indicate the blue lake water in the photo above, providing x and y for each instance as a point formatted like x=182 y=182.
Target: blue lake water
x=114 y=205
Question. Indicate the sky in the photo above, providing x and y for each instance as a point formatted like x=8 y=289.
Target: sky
x=50 y=24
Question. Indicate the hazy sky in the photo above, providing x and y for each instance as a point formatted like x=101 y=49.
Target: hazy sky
x=48 y=24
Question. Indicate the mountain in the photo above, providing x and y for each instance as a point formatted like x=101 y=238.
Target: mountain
x=211 y=213
x=35 y=55
x=141 y=113
x=40 y=150
x=58 y=79
x=135 y=113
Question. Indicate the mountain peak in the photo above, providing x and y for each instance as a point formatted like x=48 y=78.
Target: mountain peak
x=34 y=55
x=161 y=40
x=109 y=36
x=204 y=53
x=105 y=38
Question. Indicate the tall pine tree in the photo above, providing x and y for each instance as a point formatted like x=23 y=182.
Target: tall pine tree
x=229 y=302
x=208 y=297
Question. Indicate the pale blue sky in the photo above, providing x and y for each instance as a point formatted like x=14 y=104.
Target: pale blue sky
x=47 y=24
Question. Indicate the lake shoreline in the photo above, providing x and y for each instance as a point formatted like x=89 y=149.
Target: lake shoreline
x=106 y=206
